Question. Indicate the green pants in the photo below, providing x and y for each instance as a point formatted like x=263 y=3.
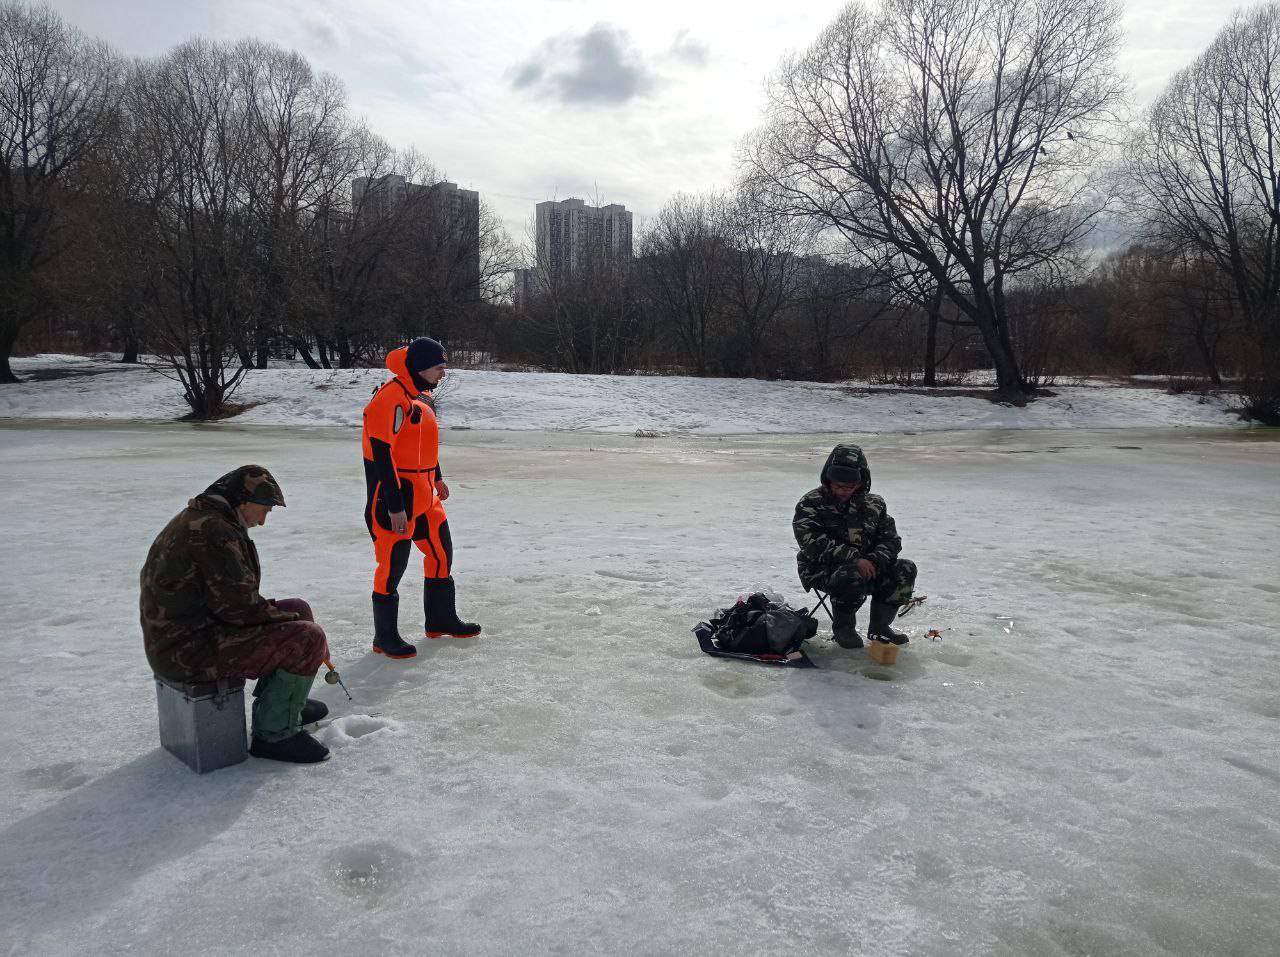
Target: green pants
x=277 y=704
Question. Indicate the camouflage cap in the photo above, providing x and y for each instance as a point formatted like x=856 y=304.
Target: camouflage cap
x=248 y=483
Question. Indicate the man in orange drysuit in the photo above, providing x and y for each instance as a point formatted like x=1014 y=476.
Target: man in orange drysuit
x=406 y=492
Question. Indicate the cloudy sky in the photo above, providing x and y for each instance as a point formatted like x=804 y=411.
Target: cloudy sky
x=527 y=100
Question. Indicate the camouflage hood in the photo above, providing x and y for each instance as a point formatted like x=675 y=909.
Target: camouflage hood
x=850 y=457
x=248 y=483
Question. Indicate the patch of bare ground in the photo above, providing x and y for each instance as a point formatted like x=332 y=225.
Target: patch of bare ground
x=49 y=375
x=229 y=411
x=948 y=392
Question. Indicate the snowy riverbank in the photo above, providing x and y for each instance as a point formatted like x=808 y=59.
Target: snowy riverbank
x=94 y=389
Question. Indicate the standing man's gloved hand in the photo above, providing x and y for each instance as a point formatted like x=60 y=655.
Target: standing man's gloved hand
x=866 y=568
x=442 y=489
x=399 y=522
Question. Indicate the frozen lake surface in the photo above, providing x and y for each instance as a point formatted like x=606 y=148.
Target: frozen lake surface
x=1088 y=761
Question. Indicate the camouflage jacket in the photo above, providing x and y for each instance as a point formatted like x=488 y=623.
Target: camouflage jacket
x=200 y=603
x=831 y=534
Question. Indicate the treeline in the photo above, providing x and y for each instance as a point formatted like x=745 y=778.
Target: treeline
x=198 y=209
x=926 y=194
x=936 y=186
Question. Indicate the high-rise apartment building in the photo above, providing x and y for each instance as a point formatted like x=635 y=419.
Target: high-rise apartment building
x=570 y=231
x=451 y=217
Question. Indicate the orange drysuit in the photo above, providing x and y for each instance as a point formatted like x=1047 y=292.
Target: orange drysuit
x=401 y=466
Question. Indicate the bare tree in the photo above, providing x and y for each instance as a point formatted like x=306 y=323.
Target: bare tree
x=355 y=243
x=191 y=115
x=837 y=303
x=913 y=287
x=1162 y=308
x=302 y=157
x=949 y=132
x=588 y=318
x=1206 y=171
x=114 y=264
x=763 y=259
x=461 y=256
x=684 y=253
x=59 y=94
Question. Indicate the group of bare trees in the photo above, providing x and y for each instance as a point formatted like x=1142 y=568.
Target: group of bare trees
x=924 y=193
x=923 y=172
x=1206 y=193
x=59 y=105
x=199 y=209
x=713 y=276
x=927 y=187
x=947 y=143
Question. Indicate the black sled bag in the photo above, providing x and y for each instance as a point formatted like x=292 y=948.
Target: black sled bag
x=759 y=630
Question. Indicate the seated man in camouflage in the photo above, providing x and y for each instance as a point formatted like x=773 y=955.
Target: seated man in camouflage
x=849 y=548
x=203 y=618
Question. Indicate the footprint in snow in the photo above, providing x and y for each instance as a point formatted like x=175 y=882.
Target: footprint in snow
x=64 y=776
x=728 y=685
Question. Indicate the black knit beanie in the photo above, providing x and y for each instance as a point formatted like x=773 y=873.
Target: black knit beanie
x=425 y=353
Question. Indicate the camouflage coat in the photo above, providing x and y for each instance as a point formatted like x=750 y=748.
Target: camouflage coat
x=200 y=604
x=832 y=535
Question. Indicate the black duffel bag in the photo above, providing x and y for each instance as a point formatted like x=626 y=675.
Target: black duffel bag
x=758 y=626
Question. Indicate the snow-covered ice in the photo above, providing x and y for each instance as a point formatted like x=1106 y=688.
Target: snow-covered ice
x=96 y=389
x=1087 y=762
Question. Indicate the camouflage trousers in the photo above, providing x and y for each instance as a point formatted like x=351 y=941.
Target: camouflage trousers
x=848 y=588
x=298 y=646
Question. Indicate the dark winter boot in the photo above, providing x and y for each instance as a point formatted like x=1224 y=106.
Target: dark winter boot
x=278 y=702
x=438 y=601
x=299 y=749
x=314 y=711
x=882 y=615
x=386 y=628
x=844 y=625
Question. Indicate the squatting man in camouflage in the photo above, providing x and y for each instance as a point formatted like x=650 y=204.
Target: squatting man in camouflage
x=849 y=548
x=203 y=618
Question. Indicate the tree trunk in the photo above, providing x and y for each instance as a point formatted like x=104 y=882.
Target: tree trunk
x=303 y=351
x=1207 y=356
x=130 y=344
x=8 y=338
x=345 y=358
x=931 y=338
x=1009 y=384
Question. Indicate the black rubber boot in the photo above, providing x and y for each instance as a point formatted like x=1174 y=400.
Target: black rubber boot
x=438 y=601
x=314 y=711
x=844 y=625
x=386 y=628
x=882 y=616
x=299 y=749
